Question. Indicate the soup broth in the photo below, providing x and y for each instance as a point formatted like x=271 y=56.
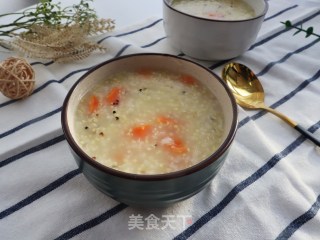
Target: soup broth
x=215 y=9
x=149 y=122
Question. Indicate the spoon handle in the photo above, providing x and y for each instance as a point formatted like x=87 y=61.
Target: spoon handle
x=295 y=125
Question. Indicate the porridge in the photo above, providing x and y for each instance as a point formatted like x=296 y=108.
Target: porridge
x=215 y=9
x=149 y=122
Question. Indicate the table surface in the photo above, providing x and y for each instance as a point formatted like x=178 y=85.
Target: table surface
x=268 y=187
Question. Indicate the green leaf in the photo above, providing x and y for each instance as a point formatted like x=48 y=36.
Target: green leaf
x=288 y=24
x=309 y=32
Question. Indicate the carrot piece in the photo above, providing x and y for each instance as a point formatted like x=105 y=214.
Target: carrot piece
x=188 y=79
x=174 y=145
x=145 y=72
x=113 y=96
x=141 y=131
x=93 y=104
x=166 y=120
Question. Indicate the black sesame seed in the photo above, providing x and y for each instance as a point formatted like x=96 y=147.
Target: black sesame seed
x=101 y=134
x=86 y=127
x=116 y=102
x=114 y=112
x=117 y=118
x=142 y=89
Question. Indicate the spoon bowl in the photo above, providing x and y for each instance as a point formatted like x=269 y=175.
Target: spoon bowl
x=245 y=85
x=249 y=93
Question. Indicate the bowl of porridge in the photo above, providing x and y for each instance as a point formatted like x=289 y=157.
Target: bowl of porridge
x=149 y=130
x=213 y=29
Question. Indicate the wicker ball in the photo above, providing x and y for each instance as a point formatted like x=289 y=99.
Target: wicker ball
x=16 y=78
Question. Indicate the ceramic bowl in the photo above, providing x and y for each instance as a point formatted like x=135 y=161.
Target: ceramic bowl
x=208 y=39
x=159 y=189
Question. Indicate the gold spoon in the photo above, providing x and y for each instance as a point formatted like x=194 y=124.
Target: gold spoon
x=249 y=93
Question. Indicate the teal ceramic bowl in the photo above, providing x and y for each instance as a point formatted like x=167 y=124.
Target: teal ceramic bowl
x=156 y=190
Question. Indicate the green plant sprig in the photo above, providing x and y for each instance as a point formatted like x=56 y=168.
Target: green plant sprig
x=309 y=31
x=48 y=13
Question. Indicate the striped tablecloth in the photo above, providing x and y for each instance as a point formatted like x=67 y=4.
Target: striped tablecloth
x=268 y=188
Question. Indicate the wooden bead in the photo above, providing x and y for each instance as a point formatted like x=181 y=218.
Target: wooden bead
x=16 y=78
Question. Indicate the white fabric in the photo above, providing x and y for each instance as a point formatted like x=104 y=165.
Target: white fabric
x=268 y=187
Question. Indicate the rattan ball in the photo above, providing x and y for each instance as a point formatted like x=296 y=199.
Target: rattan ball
x=16 y=78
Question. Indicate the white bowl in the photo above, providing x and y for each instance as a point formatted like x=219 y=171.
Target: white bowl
x=208 y=39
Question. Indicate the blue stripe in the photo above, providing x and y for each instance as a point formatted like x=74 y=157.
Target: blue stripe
x=298 y=222
x=153 y=43
x=92 y=223
x=32 y=150
x=271 y=37
x=303 y=85
x=52 y=186
x=247 y=119
x=122 y=50
x=41 y=63
x=48 y=83
x=32 y=121
x=281 y=12
x=145 y=46
x=284 y=30
x=4 y=46
x=284 y=99
x=286 y=57
x=7 y=103
x=131 y=32
x=242 y=185
x=218 y=64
